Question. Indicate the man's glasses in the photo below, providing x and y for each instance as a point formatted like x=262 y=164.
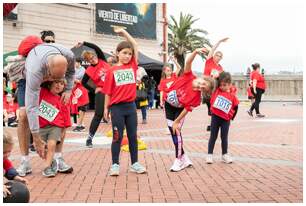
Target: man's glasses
x=49 y=41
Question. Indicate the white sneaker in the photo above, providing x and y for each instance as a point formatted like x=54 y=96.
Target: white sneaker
x=177 y=165
x=186 y=161
x=227 y=158
x=209 y=159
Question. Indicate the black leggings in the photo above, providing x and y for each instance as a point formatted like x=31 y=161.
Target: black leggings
x=258 y=95
x=206 y=100
x=216 y=123
x=124 y=115
x=171 y=114
x=99 y=110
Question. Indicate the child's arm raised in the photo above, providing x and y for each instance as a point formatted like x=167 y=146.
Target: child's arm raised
x=129 y=38
x=213 y=49
x=191 y=58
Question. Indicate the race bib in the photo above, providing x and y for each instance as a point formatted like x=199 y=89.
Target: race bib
x=223 y=104
x=214 y=72
x=47 y=111
x=124 y=76
x=172 y=99
x=169 y=84
x=78 y=93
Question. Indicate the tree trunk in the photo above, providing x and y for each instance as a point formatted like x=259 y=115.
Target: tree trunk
x=181 y=61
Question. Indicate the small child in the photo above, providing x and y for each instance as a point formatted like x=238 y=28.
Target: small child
x=8 y=169
x=224 y=107
x=180 y=98
x=10 y=111
x=54 y=117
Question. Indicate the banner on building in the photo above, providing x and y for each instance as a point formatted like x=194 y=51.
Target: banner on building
x=138 y=19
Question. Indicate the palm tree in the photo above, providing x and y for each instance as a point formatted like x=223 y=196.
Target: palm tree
x=183 y=39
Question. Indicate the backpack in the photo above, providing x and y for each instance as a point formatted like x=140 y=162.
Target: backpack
x=27 y=44
x=15 y=68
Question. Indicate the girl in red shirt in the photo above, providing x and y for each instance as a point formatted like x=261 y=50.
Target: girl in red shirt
x=213 y=69
x=224 y=107
x=180 y=98
x=10 y=111
x=258 y=87
x=120 y=95
x=167 y=78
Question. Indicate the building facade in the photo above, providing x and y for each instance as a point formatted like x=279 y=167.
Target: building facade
x=74 y=23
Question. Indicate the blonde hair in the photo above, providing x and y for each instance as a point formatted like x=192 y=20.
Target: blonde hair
x=7 y=138
x=87 y=54
x=211 y=84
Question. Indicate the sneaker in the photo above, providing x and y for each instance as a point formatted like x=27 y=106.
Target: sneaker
x=63 y=167
x=260 y=115
x=104 y=120
x=32 y=148
x=78 y=129
x=177 y=165
x=54 y=165
x=13 y=124
x=186 y=161
x=209 y=159
x=208 y=128
x=138 y=168
x=144 y=121
x=250 y=113
x=49 y=172
x=24 y=168
x=114 y=170
x=227 y=158
x=89 y=143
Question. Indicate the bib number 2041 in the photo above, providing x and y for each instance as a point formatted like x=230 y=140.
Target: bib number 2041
x=124 y=76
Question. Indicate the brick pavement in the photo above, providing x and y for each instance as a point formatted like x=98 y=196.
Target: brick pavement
x=268 y=163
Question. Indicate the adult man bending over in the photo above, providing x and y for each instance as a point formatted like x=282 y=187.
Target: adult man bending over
x=45 y=62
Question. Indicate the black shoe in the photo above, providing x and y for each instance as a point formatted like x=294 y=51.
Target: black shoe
x=89 y=143
x=32 y=148
x=104 y=120
x=250 y=113
x=76 y=129
x=208 y=128
x=260 y=115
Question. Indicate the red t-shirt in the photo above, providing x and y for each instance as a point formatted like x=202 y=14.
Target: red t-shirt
x=166 y=83
x=181 y=93
x=211 y=67
x=97 y=73
x=260 y=79
x=249 y=92
x=223 y=104
x=120 y=83
x=7 y=165
x=11 y=109
x=79 y=95
x=52 y=111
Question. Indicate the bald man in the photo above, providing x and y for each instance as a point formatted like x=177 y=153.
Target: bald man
x=44 y=62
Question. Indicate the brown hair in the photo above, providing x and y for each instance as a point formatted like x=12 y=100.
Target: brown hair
x=124 y=45
x=255 y=66
x=163 y=74
x=7 y=138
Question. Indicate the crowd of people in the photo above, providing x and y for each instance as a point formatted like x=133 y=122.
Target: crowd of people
x=52 y=86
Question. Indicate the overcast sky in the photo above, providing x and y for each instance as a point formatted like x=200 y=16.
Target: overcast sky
x=267 y=32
